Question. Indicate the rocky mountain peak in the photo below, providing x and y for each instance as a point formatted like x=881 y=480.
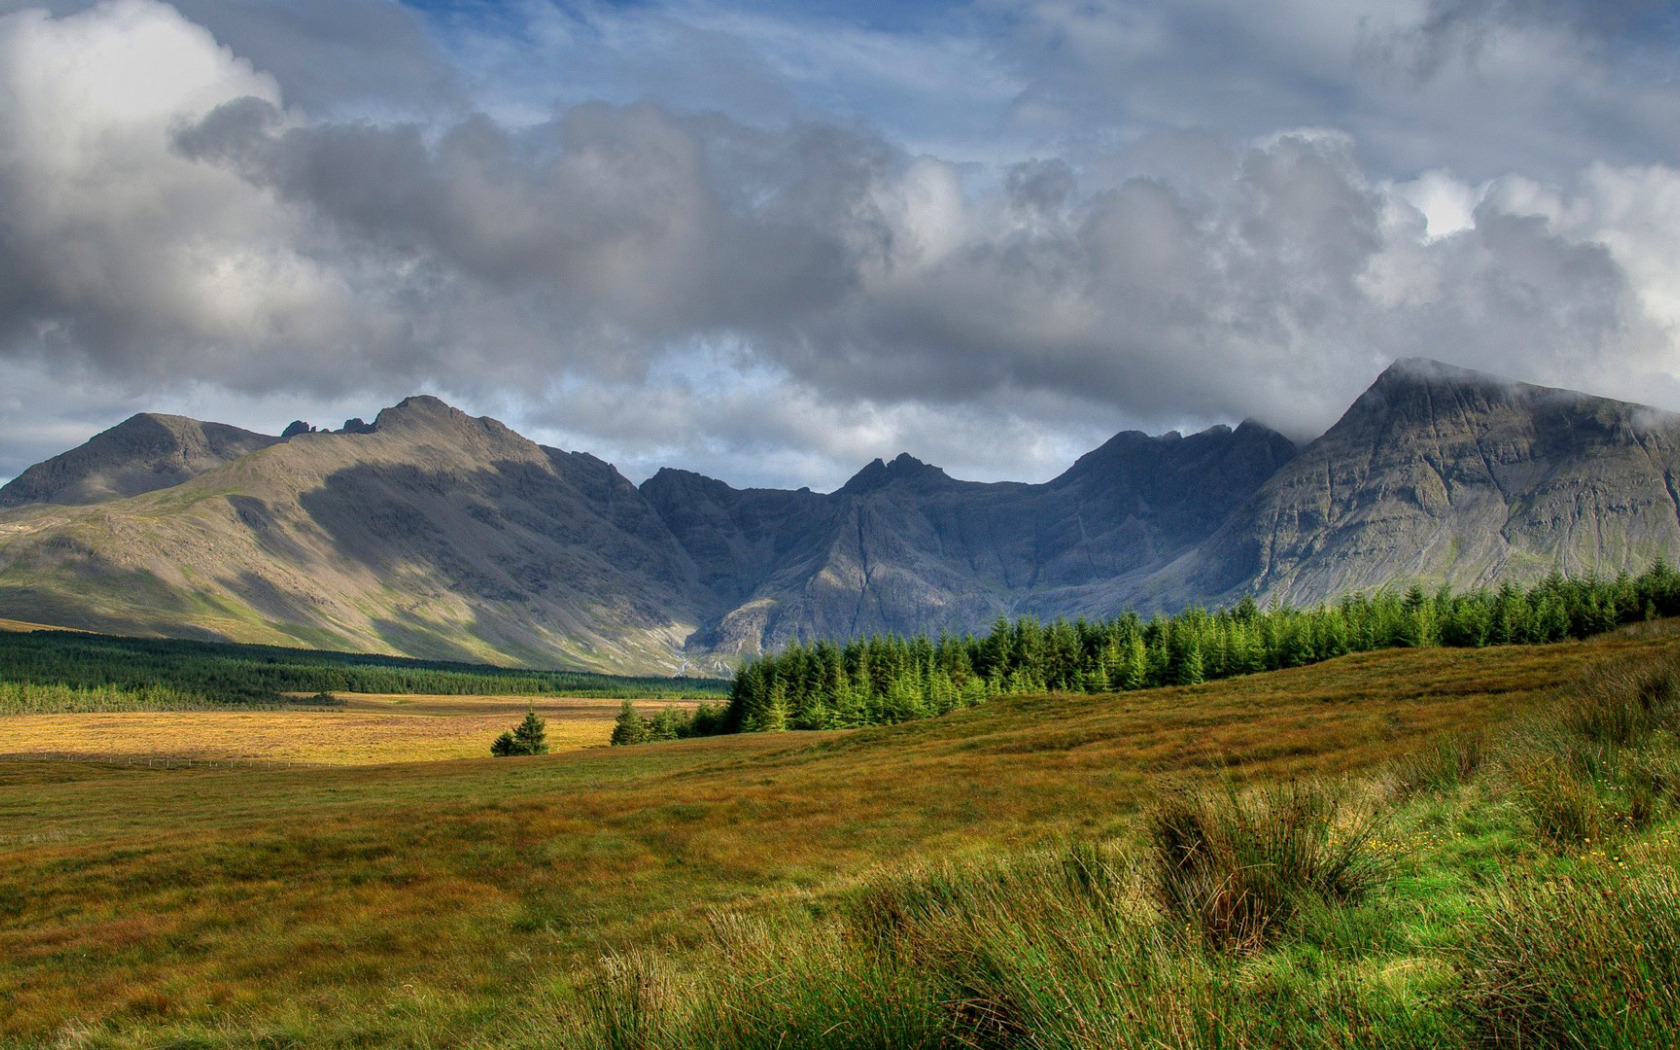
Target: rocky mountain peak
x=1414 y=380
x=143 y=453
x=904 y=469
x=428 y=416
x=421 y=410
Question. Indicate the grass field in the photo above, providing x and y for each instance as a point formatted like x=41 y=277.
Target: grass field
x=471 y=902
x=365 y=730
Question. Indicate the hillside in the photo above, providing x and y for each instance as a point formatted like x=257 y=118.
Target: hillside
x=431 y=534
x=1440 y=474
x=904 y=548
x=143 y=453
x=386 y=906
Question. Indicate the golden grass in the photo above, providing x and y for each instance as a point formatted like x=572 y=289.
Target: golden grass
x=25 y=627
x=140 y=897
x=368 y=730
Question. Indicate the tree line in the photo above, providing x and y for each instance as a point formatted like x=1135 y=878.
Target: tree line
x=881 y=680
x=189 y=673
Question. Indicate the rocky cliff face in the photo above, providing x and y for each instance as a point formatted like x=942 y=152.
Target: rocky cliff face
x=902 y=547
x=434 y=534
x=1440 y=474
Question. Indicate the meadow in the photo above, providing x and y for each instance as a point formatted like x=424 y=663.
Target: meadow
x=350 y=729
x=992 y=877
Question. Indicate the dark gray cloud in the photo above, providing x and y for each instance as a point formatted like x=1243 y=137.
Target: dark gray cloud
x=780 y=298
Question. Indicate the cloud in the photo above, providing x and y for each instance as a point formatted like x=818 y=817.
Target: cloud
x=791 y=297
x=1478 y=87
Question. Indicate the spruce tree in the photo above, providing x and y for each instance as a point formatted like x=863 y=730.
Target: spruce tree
x=774 y=718
x=529 y=737
x=630 y=727
x=1134 y=666
x=1190 y=670
x=664 y=725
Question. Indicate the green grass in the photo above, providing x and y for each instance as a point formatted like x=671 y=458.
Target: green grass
x=994 y=878
x=1269 y=917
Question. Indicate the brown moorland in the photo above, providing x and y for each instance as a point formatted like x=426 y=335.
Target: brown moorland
x=367 y=729
x=425 y=903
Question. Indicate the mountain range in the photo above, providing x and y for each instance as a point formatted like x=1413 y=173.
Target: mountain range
x=431 y=533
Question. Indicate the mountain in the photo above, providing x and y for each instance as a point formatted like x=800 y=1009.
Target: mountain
x=903 y=547
x=1441 y=474
x=430 y=533
x=141 y=454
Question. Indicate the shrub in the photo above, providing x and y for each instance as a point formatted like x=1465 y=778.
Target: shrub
x=1239 y=866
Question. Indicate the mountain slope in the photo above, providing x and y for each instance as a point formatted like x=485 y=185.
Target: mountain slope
x=431 y=534
x=1441 y=474
x=902 y=547
x=143 y=453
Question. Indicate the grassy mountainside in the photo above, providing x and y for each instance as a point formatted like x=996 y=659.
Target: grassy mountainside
x=435 y=535
x=470 y=903
x=430 y=534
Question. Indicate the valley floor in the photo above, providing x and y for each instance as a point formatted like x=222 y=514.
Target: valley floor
x=509 y=901
x=359 y=730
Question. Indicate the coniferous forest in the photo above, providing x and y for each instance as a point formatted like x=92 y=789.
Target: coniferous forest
x=883 y=680
x=69 y=671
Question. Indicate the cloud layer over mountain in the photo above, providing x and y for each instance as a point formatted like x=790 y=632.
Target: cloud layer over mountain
x=771 y=246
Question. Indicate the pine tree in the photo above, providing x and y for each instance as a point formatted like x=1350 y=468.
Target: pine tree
x=630 y=727
x=664 y=725
x=529 y=737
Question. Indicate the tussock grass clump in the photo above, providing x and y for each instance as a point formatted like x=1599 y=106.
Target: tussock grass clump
x=1605 y=763
x=1442 y=767
x=1239 y=865
x=1624 y=703
x=896 y=908
x=974 y=954
x=1566 y=808
x=1588 y=961
x=767 y=983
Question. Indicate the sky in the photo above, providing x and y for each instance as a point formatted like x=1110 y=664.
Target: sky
x=772 y=241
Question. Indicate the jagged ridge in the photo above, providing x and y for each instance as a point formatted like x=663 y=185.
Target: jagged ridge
x=432 y=533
